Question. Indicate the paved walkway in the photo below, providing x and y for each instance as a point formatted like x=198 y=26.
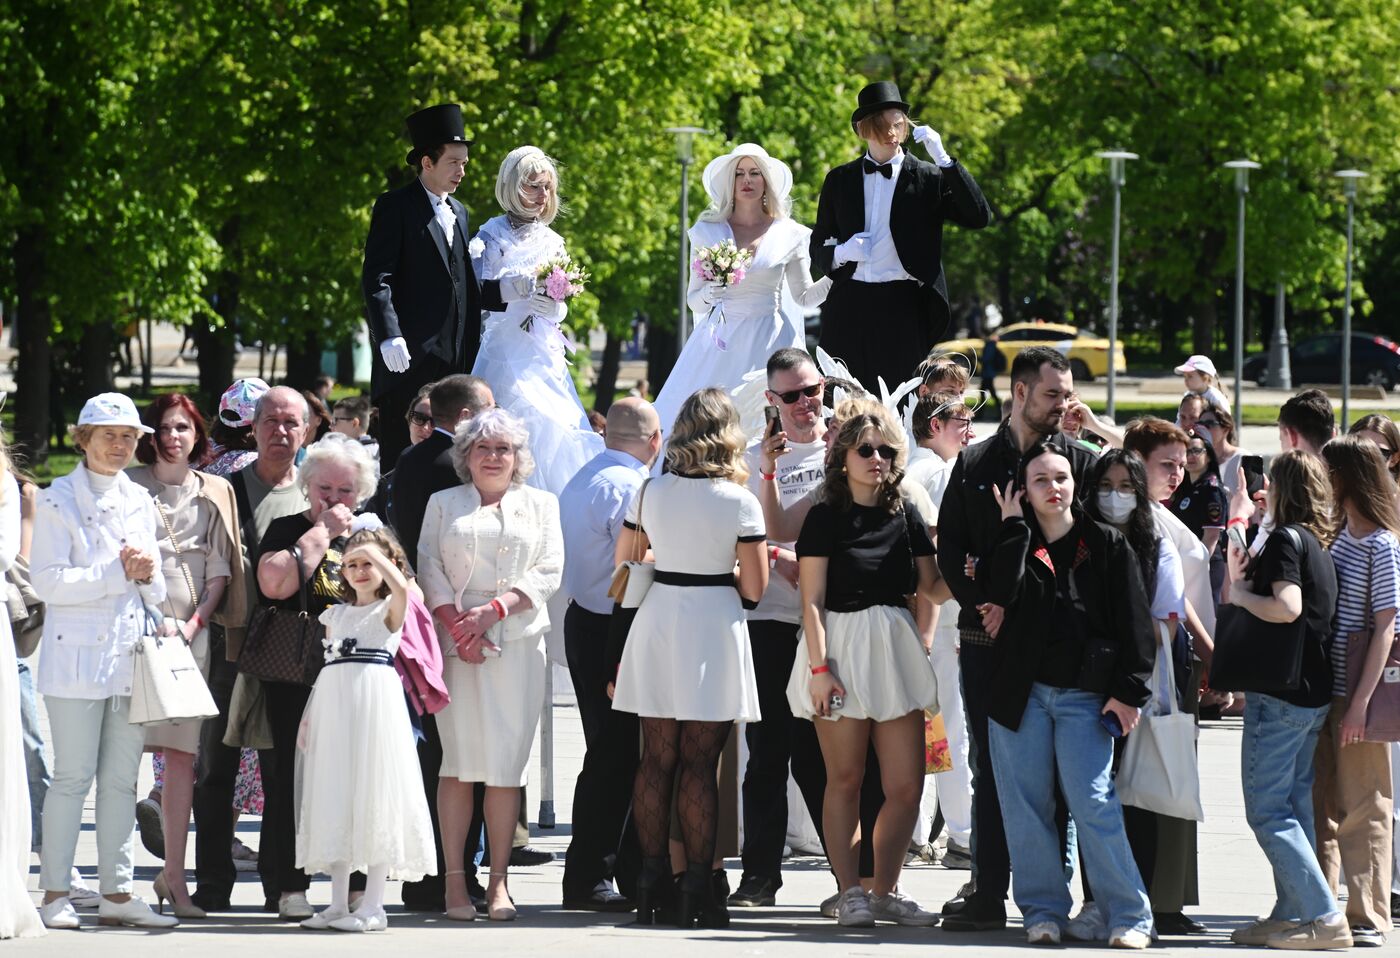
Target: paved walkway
x=1235 y=886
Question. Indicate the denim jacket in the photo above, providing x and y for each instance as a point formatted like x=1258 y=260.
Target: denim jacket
x=95 y=614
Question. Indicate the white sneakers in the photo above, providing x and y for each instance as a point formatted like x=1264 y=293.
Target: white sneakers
x=1129 y=938
x=899 y=909
x=853 y=909
x=1088 y=925
x=134 y=913
x=362 y=921
x=323 y=918
x=79 y=893
x=59 y=913
x=294 y=907
x=1043 y=933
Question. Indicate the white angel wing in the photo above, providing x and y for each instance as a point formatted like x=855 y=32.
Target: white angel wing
x=749 y=400
x=831 y=366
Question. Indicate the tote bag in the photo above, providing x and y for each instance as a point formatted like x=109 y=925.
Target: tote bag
x=1159 y=772
x=166 y=684
x=632 y=578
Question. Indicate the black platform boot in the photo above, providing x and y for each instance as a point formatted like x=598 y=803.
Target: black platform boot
x=697 y=907
x=656 y=891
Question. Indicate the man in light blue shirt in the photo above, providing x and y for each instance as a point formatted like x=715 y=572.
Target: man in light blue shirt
x=591 y=508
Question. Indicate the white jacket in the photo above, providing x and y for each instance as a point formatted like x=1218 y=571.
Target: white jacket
x=531 y=560
x=95 y=614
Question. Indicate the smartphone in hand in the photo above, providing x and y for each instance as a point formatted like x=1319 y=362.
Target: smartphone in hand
x=1253 y=467
x=772 y=423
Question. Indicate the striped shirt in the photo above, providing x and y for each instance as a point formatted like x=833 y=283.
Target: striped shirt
x=1351 y=555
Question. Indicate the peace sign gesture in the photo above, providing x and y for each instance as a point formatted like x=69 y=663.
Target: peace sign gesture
x=1008 y=501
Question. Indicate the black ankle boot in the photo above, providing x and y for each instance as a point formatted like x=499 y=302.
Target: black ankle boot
x=697 y=907
x=656 y=890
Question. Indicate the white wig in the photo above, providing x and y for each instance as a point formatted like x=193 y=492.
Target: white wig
x=519 y=166
x=719 y=183
x=333 y=449
x=494 y=423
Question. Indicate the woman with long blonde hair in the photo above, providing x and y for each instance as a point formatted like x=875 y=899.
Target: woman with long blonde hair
x=687 y=668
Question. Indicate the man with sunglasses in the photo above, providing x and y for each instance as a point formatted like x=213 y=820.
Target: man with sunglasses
x=788 y=457
x=968 y=524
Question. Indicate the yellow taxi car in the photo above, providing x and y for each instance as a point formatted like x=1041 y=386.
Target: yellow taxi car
x=1087 y=353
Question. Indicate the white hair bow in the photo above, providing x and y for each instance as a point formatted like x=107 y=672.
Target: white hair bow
x=366 y=522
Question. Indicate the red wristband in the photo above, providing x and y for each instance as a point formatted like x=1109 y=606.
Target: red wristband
x=1235 y=522
x=767 y=476
x=197 y=621
x=500 y=608
x=820 y=669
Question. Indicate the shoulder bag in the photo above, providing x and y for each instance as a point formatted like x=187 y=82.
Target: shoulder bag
x=1159 y=771
x=632 y=577
x=166 y=683
x=1383 y=711
x=1252 y=655
x=284 y=645
x=25 y=607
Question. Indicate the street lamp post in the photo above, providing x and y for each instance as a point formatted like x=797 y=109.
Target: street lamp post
x=685 y=152
x=1116 y=167
x=1241 y=168
x=1349 y=179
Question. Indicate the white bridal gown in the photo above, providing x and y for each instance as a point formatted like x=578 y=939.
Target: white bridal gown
x=726 y=345
x=528 y=370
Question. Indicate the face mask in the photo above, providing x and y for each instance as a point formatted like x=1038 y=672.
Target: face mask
x=1117 y=506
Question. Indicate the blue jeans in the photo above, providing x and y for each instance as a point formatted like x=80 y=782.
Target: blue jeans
x=1276 y=773
x=34 y=763
x=1060 y=736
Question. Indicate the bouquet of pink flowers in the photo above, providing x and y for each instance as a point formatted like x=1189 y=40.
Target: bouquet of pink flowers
x=560 y=279
x=726 y=264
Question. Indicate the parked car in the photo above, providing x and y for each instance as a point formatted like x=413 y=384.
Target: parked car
x=1087 y=353
x=1375 y=361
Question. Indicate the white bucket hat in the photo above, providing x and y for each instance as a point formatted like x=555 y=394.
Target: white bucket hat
x=775 y=172
x=111 y=409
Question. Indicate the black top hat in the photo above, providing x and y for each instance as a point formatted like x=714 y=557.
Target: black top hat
x=433 y=127
x=878 y=96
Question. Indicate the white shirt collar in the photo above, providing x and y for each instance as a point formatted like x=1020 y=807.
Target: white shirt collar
x=895 y=161
x=624 y=458
x=434 y=198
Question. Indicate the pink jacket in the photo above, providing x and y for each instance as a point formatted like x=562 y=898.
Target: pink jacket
x=419 y=661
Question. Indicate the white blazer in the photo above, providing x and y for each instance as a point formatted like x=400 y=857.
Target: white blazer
x=531 y=560
x=95 y=614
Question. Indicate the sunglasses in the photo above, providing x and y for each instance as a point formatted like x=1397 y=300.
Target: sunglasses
x=419 y=418
x=865 y=451
x=1209 y=423
x=1385 y=452
x=792 y=395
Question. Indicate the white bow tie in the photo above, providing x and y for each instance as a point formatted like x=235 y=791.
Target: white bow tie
x=446 y=219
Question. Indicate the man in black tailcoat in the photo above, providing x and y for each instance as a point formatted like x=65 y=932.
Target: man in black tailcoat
x=879 y=233
x=422 y=299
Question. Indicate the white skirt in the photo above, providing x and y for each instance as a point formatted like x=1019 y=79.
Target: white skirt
x=359 y=788
x=688 y=657
x=876 y=656
x=488 y=727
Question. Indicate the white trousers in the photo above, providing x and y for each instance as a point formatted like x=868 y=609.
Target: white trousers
x=92 y=739
x=950 y=791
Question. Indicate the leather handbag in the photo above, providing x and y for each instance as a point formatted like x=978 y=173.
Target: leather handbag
x=284 y=645
x=25 y=608
x=1252 y=655
x=1383 y=711
x=633 y=577
x=1159 y=771
x=166 y=684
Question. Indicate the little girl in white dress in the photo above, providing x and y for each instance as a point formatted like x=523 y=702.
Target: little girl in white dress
x=360 y=801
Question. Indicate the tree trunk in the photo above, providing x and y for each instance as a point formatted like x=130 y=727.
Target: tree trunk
x=95 y=352
x=32 y=368
x=1173 y=320
x=216 y=343
x=303 y=362
x=345 y=362
x=1204 y=319
x=661 y=356
x=605 y=388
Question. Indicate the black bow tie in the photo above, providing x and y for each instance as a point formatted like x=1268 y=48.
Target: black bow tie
x=884 y=169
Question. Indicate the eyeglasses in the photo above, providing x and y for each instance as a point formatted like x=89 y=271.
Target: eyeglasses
x=792 y=395
x=419 y=418
x=865 y=451
x=1386 y=453
x=966 y=422
x=344 y=418
x=1196 y=451
x=1209 y=423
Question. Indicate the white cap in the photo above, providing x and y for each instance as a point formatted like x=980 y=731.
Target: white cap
x=111 y=409
x=1201 y=364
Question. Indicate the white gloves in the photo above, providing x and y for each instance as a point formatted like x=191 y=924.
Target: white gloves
x=514 y=288
x=395 y=353
x=932 y=142
x=543 y=306
x=854 y=250
x=713 y=292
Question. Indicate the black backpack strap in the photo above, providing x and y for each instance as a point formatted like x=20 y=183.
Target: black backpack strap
x=247 y=524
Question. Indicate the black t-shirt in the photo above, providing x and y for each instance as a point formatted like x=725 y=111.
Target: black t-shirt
x=1314 y=573
x=324 y=586
x=870 y=551
x=1062 y=656
x=1200 y=504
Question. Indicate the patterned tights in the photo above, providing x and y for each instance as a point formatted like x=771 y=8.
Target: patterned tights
x=694 y=749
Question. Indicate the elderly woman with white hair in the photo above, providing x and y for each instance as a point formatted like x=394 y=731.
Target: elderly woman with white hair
x=337 y=475
x=738 y=327
x=490 y=556
x=524 y=350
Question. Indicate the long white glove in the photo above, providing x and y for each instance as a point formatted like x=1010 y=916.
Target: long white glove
x=932 y=142
x=395 y=353
x=713 y=292
x=516 y=287
x=854 y=250
x=543 y=306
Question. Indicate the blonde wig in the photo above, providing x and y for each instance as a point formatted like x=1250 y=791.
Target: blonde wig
x=521 y=165
x=706 y=439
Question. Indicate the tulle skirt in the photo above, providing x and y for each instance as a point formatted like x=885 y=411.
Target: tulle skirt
x=877 y=658
x=359 y=788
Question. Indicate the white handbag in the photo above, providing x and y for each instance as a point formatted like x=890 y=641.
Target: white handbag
x=1159 y=771
x=633 y=577
x=166 y=684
